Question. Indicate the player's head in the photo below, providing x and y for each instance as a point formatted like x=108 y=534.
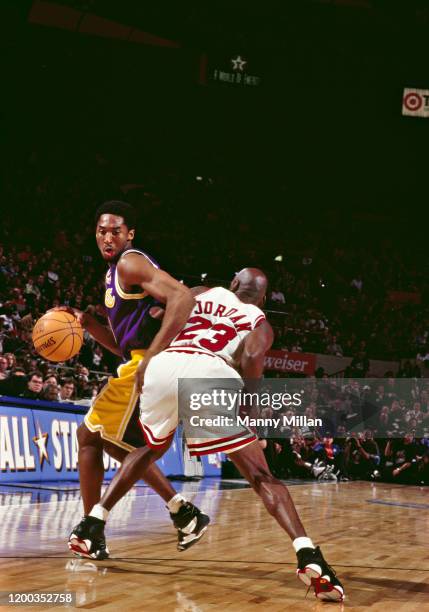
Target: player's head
x=250 y=286
x=115 y=224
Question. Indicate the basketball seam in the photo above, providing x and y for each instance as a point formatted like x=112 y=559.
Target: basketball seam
x=73 y=335
x=54 y=331
x=58 y=320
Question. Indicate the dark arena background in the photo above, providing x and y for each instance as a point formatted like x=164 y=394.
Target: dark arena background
x=286 y=136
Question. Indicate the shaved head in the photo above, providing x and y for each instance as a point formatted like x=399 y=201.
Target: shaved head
x=250 y=286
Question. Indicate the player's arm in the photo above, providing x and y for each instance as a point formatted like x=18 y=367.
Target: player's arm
x=134 y=270
x=157 y=312
x=101 y=334
x=256 y=344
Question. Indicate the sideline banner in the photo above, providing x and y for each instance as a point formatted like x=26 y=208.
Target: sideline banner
x=296 y=363
x=39 y=444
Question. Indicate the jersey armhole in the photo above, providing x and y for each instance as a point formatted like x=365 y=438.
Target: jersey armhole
x=259 y=321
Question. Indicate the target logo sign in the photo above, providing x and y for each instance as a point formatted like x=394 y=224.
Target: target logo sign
x=413 y=101
x=416 y=102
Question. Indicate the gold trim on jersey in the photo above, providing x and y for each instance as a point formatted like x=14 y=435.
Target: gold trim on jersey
x=128 y=296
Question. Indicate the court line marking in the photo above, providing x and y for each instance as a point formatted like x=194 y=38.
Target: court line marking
x=195 y=493
x=398 y=504
x=248 y=562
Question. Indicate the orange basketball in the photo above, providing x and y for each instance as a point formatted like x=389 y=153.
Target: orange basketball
x=57 y=336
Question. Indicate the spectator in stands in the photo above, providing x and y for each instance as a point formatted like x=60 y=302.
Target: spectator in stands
x=334 y=348
x=277 y=295
x=364 y=454
x=3 y=367
x=396 y=417
x=401 y=455
x=50 y=393
x=67 y=390
x=415 y=414
x=421 y=470
x=34 y=386
x=357 y=283
x=422 y=357
x=50 y=379
x=360 y=363
x=15 y=384
x=11 y=361
x=382 y=421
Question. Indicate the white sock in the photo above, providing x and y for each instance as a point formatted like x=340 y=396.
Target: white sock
x=176 y=503
x=99 y=512
x=302 y=542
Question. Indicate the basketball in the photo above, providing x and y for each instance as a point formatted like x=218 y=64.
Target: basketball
x=57 y=336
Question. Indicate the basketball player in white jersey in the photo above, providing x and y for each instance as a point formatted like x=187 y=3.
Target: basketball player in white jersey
x=225 y=332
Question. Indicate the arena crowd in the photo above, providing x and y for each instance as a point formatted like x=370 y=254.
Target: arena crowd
x=333 y=290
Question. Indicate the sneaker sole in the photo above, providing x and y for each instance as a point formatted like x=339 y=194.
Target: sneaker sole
x=337 y=594
x=80 y=548
x=309 y=573
x=197 y=538
x=77 y=550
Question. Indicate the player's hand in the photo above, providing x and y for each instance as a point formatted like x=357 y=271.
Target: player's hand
x=82 y=317
x=141 y=370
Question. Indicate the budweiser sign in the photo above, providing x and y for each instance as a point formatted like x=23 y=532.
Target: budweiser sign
x=283 y=361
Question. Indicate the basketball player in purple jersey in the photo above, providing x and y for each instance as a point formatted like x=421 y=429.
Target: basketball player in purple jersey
x=135 y=286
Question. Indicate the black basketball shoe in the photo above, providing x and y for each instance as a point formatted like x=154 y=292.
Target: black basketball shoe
x=87 y=539
x=314 y=571
x=190 y=523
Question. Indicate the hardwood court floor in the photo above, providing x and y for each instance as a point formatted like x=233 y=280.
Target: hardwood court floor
x=376 y=536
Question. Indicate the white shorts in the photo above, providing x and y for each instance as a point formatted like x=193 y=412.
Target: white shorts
x=163 y=403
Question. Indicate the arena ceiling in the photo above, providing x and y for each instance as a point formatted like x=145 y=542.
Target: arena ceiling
x=219 y=22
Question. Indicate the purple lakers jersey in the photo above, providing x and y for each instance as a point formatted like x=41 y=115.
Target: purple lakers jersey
x=128 y=313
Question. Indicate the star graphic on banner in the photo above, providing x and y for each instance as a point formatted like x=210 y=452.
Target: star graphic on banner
x=40 y=441
x=238 y=63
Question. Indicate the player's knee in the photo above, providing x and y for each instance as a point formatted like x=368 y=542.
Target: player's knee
x=88 y=438
x=156 y=454
x=114 y=451
x=261 y=477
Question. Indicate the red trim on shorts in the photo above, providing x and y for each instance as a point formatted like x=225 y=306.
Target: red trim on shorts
x=154 y=437
x=161 y=441
x=220 y=449
x=218 y=440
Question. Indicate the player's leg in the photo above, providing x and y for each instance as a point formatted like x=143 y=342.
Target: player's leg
x=91 y=468
x=136 y=465
x=251 y=463
x=189 y=521
x=152 y=475
x=87 y=538
x=312 y=567
x=159 y=420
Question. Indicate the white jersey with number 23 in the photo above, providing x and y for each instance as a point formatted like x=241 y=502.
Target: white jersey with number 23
x=218 y=324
